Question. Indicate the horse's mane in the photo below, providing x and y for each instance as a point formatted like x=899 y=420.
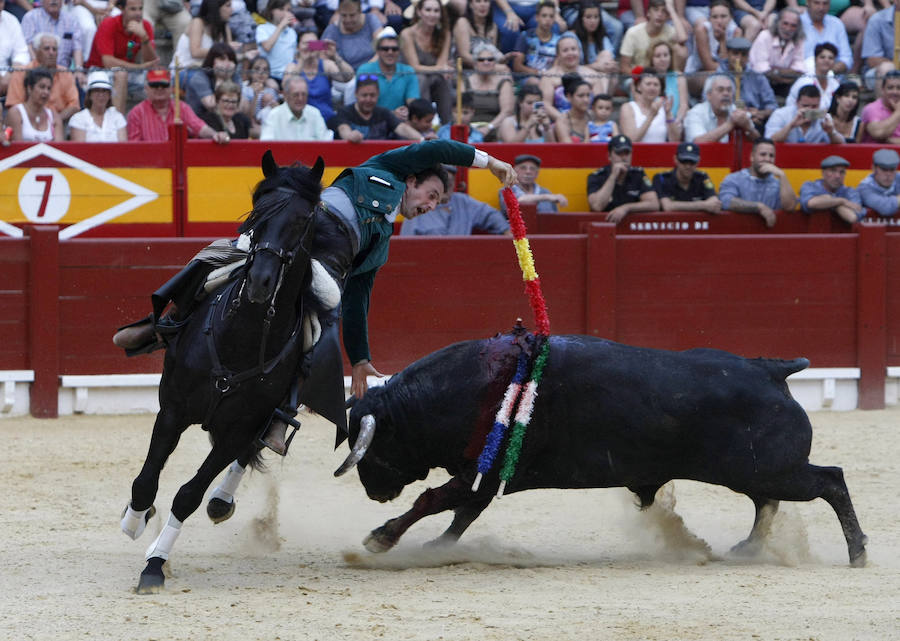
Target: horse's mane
x=275 y=192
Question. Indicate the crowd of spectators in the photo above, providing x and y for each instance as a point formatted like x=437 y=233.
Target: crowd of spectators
x=535 y=70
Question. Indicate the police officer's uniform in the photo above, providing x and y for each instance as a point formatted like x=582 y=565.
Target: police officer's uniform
x=629 y=190
x=666 y=185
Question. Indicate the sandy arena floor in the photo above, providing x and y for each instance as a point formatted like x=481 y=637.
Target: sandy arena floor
x=555 y=565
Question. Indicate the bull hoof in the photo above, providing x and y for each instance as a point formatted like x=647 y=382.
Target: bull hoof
x=152 y=578
x=747 y=548
x=443 y=541
x=218 y=510
x=377 y=541
x=858 y=554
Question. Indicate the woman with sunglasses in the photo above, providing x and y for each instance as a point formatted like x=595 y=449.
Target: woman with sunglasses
x=319 y=68
x=227 y=117
x=475 y=27
x=491 y=89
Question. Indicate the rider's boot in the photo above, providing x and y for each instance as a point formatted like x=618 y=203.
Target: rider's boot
x=274 y=437
x=142 y=337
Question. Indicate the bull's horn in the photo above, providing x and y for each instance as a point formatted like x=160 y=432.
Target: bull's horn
x=363 y=441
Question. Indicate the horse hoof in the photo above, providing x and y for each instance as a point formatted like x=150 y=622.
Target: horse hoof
x=152 y=578
x=218 y=510
x=377 y=542
x=133 y=523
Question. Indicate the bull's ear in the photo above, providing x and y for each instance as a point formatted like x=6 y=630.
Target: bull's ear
x=318 y=169
x=269 y=166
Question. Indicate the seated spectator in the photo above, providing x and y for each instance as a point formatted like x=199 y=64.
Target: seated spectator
x=458 y=214
x=535 y=48
x=50 y=18
x=32 y=120
x=354 y=32
x=294 y=119
x=276 y=38
x=596 y=47
x=878 y=45
x=319 y=67
x=881 y=118
x=567 y=63
x=709 y=50
x=167 y=16
x=64 y=94
x=150 y=119
x=756 y=92
x=830 y=193
x=647 y=117
x=467 y=112
x=686 y=188
x=259 y=93
x=474 y=27
x=674 y=85
x=804 y=121
x=844 y=105
x=716 y=117
x=125 y=43
x=397 y=82
x=823 y=77
x=574 y=124
x=14 y=51
x=619 y=188
x=491 y=89
x=527 y=190
x=636 y=46
x=425 y=46
x=209 y=26
x=880 y=190
x=226 y=115
x=220 y=65
x=760 y=189
x=18 y=8
x=602 y=126
x=819 y=28
x=752 y=16
x=365 y=120
x=778 y=52
x=99 y=121
x=421 y=117
x=515 y=16
x=530 y=122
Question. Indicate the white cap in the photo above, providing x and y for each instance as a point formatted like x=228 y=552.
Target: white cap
x=98 y=80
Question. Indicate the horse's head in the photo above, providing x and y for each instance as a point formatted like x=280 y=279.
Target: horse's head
x=281 y=224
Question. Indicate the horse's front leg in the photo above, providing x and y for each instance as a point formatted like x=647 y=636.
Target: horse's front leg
x=220 y=506
x=167 y=431
x=186 y=501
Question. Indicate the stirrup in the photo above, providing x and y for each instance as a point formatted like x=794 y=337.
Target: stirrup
x=288 y=417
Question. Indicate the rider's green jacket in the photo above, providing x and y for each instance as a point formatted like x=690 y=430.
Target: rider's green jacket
x=376 y=188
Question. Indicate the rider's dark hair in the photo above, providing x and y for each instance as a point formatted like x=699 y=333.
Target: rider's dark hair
x=438 y=171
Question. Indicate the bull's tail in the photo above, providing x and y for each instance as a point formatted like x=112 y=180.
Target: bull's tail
x=784 y=368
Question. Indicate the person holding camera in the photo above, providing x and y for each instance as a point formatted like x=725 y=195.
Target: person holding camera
x=803 y=122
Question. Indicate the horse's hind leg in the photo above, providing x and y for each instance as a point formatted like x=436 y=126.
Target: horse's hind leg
x=186 y=501
x=220 y=506
x=167 y=431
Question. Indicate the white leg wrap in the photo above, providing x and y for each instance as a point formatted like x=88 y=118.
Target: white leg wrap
x=133 y=523
x=166 y=539
x=229 y=485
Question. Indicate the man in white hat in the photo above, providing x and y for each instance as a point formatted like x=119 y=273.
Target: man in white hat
x=397 y=81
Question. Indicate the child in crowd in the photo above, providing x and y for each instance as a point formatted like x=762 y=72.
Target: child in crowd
x=602 y=127
x=421 y=117
x=467 y=112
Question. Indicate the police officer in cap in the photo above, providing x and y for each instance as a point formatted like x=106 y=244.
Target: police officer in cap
x=880 y=190
x=685 y=188
x=620 y=188
x=830 y=193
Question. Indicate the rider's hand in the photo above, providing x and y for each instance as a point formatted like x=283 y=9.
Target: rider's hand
x=503 y=171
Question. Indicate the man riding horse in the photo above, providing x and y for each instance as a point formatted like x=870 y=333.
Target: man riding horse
x=354 y=222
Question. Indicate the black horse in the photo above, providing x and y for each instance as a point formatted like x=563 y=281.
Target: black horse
x=237 y=356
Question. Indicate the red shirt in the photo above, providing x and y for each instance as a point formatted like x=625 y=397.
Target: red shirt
x=111 y=39
x=145 y=125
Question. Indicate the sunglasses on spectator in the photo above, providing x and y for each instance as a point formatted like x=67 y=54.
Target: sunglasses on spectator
x=229 y=101
x=389 y=48
x=485 y=60
x=158 y=85
x=366 y=76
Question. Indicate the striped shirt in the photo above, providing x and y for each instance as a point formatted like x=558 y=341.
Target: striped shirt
x=145 y=125
x=66 y=27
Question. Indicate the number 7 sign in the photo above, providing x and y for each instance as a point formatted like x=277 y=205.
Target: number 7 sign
x=44 y=195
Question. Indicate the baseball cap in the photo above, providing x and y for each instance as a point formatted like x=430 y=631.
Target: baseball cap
x=620 y=142
x=886 y=158
x=98 y=80
x=527 y=157
x=737 y=44
x=834 y=161
x=158 y=77
x=688 y=151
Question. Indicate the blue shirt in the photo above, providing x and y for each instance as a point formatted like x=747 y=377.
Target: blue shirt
x=813 y=188
x=543 y=206
x=538 y=54
x=874 y=196
x=458 y=217
x=282 y=52
x=747 y=187
x=833 y=32
x=396 y=92
x=783 y=115
x=66 y=27
x=878 y=39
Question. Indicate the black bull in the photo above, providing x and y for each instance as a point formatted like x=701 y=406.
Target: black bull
x=606 y=415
